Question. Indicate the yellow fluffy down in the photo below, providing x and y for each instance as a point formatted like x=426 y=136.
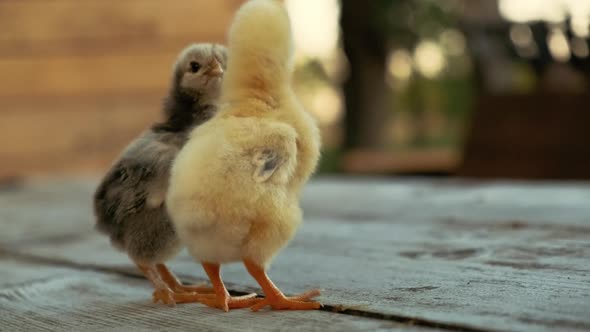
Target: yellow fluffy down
x=221 y=208
x=261 y=47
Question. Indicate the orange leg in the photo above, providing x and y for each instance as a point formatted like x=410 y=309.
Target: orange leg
x=222 y=298
x=162 y=291
x=275 y=298
x=170 y=279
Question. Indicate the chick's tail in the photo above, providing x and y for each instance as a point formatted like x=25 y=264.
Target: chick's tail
x=260 y=52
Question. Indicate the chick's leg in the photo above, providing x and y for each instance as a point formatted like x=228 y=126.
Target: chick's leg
x=222 y=299
x=162 y=291
x=172 y=281
x=274 y=297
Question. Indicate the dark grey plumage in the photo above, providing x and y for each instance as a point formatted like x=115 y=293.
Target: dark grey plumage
x=129 y=202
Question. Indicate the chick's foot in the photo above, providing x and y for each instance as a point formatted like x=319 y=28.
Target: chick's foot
x=200 y=288
x=166 y=290
x=222 y=300
x=278 y=301
x=172 y=281
x=164 y=295
x=169 y=297
x=274 y=297
x=228 y=302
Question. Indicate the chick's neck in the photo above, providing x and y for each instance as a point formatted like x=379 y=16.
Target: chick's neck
x=182 y=112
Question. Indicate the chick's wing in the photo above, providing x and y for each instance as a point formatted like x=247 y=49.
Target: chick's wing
x=123 y=191
x=267 y=162
x=272 y=152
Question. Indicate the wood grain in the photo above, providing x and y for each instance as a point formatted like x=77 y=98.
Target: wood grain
x=96 y=46
x=72 y=133
x=540 y=136
x=493 y=256
x=81 y=78
x=87 y=75
x=440 y=160
x=74 y=300
x=110 y=19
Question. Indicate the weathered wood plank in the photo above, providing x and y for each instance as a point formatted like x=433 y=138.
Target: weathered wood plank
x=73 y=300
x=16 y=274
x=556 y=203
x=356 y=200
x=538 y=287
x=492 y=256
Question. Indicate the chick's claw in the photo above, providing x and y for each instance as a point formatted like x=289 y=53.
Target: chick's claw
x=281 y=302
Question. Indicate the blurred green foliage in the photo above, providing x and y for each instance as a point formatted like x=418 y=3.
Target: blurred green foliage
x=430 y=111
x=405 y=22
x=404 y=25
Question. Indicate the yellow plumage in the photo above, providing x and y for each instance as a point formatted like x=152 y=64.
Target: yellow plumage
x=234 y=187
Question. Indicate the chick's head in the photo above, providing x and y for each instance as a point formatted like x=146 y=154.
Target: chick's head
x=199 y=71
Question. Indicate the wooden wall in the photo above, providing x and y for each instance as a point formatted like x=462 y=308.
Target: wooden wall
x=538 y=136
x=79 y=79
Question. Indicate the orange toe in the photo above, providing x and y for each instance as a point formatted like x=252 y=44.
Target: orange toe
x=231 y=302
x=169 y=297
x=223 y=300
x=281 y=302
x=201 y=288
x=244 y=301
x=164 y=295
x=191 y=297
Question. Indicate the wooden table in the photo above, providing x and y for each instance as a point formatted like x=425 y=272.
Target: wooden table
x=408 y=255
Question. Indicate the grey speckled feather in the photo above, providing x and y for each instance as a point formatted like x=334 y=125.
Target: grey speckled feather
x=129 y=202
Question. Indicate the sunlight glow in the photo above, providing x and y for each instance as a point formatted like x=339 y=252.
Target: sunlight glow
x=327 y=105
x=559 y=46
x=315 y=26
x=533 y=10
x=399 y=64
x=453 y=42
x=429 y=58
x=580 y=26
x=554 y=11
x=522 y=36
x=580 y=13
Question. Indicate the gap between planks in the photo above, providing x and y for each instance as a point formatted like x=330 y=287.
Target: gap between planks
x=337 y=309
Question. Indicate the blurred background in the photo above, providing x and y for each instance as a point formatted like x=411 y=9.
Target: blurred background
x=476 y=88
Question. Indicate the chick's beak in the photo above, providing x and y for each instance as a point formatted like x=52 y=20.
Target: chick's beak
x=215 y=69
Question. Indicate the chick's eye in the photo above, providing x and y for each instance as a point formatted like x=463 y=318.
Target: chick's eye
x=195 y=66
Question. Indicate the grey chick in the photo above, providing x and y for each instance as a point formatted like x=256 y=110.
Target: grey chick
x=129 y=202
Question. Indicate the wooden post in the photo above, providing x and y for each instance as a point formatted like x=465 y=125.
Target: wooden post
x=366 y=93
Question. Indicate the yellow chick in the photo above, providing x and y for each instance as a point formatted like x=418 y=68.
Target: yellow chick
x=235 y=186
